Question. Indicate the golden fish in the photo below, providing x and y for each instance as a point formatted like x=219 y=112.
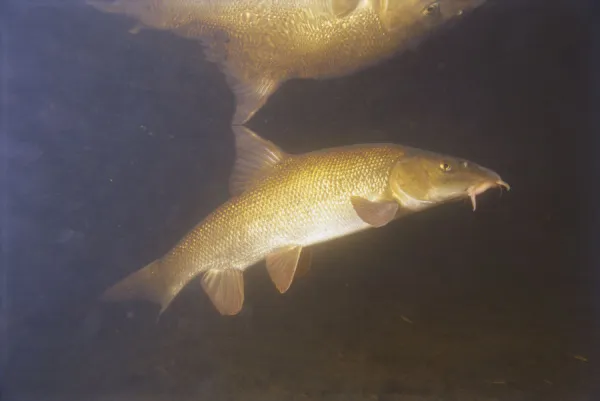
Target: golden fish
x=283 y=203
x=259 y=44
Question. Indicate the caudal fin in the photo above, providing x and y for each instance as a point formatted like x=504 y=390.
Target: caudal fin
x=155 y=283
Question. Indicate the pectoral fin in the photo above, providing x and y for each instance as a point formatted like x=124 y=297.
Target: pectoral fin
x=225 y=288
x=283 y=264
x=375 y=213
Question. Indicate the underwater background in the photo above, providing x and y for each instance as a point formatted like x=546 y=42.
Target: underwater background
x=114 y=145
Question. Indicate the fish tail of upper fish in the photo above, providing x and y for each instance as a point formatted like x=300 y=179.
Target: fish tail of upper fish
x=250 y=86
x=250 y=94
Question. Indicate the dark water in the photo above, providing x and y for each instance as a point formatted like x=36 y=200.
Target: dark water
x=114 y=145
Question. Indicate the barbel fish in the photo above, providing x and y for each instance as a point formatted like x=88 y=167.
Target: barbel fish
x=260 y=44
x=282 y=204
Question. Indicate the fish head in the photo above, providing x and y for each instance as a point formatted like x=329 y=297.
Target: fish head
x=426 y=179
x=415 y=17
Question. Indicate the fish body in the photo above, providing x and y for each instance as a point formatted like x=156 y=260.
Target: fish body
x=303 y=201
x=282 y=203
x=259 y=44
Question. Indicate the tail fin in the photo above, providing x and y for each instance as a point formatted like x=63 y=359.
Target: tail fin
x=155 y=282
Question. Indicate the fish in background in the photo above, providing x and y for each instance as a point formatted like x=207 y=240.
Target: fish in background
x=282 y=204
x=259 y=44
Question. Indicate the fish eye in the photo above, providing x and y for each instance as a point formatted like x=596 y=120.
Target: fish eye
x=431 y=9
x=445 y=167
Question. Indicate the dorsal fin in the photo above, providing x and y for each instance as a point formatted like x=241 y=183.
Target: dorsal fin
x=254 y=158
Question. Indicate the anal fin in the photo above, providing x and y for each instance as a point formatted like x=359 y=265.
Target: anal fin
x=225 y=288
x=283 y=264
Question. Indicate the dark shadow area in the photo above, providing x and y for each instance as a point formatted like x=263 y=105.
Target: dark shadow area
x=115 y=145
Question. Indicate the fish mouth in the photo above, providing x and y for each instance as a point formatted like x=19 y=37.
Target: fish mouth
x=478 y=189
